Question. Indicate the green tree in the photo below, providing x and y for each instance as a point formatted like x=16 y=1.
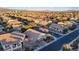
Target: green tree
x=23 y=30
x=65 y=30
x=72 y=27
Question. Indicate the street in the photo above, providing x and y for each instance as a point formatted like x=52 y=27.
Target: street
x=56 y=45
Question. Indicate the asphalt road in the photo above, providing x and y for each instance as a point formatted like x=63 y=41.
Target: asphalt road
x=56 y=45
x=57 y=35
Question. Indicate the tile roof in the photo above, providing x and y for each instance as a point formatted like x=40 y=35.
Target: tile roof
x=33 y=34
x=7 y=37
x=14 y=22
x=43 y=22
x=12 y=37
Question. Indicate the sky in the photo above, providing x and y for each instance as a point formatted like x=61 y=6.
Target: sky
x=41 y=4
x=38 y=3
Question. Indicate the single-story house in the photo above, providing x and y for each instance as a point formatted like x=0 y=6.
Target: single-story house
x=35 y=39
x=8 y=43
x=56 y=27
x=35 y=35
x=15 y=23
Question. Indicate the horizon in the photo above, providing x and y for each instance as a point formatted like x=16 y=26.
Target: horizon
x=43 y=8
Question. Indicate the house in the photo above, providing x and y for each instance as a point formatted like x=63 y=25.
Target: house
x=56 y=27
x=76 y=22
x=35 y=39
x=11 y=41
x=35 y=35
x=43 y=23
x=73 y=18
x=18 y=35
x=8 y=43
x=66 y=23
x=41 y=29
x=15 y=23
x=6 y=19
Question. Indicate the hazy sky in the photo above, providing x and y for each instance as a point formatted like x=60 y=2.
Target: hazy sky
x=37 y=0
x=38 y=3
x=45 y=8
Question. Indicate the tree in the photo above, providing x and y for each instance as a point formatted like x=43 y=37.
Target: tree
x=4 y=24
x=8 y=28
x=23 y=30
x=65 y=30
x=48 y=38
x=67 y=47
x=72 y=27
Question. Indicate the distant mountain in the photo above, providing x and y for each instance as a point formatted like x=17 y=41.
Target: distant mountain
x=43 y=8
